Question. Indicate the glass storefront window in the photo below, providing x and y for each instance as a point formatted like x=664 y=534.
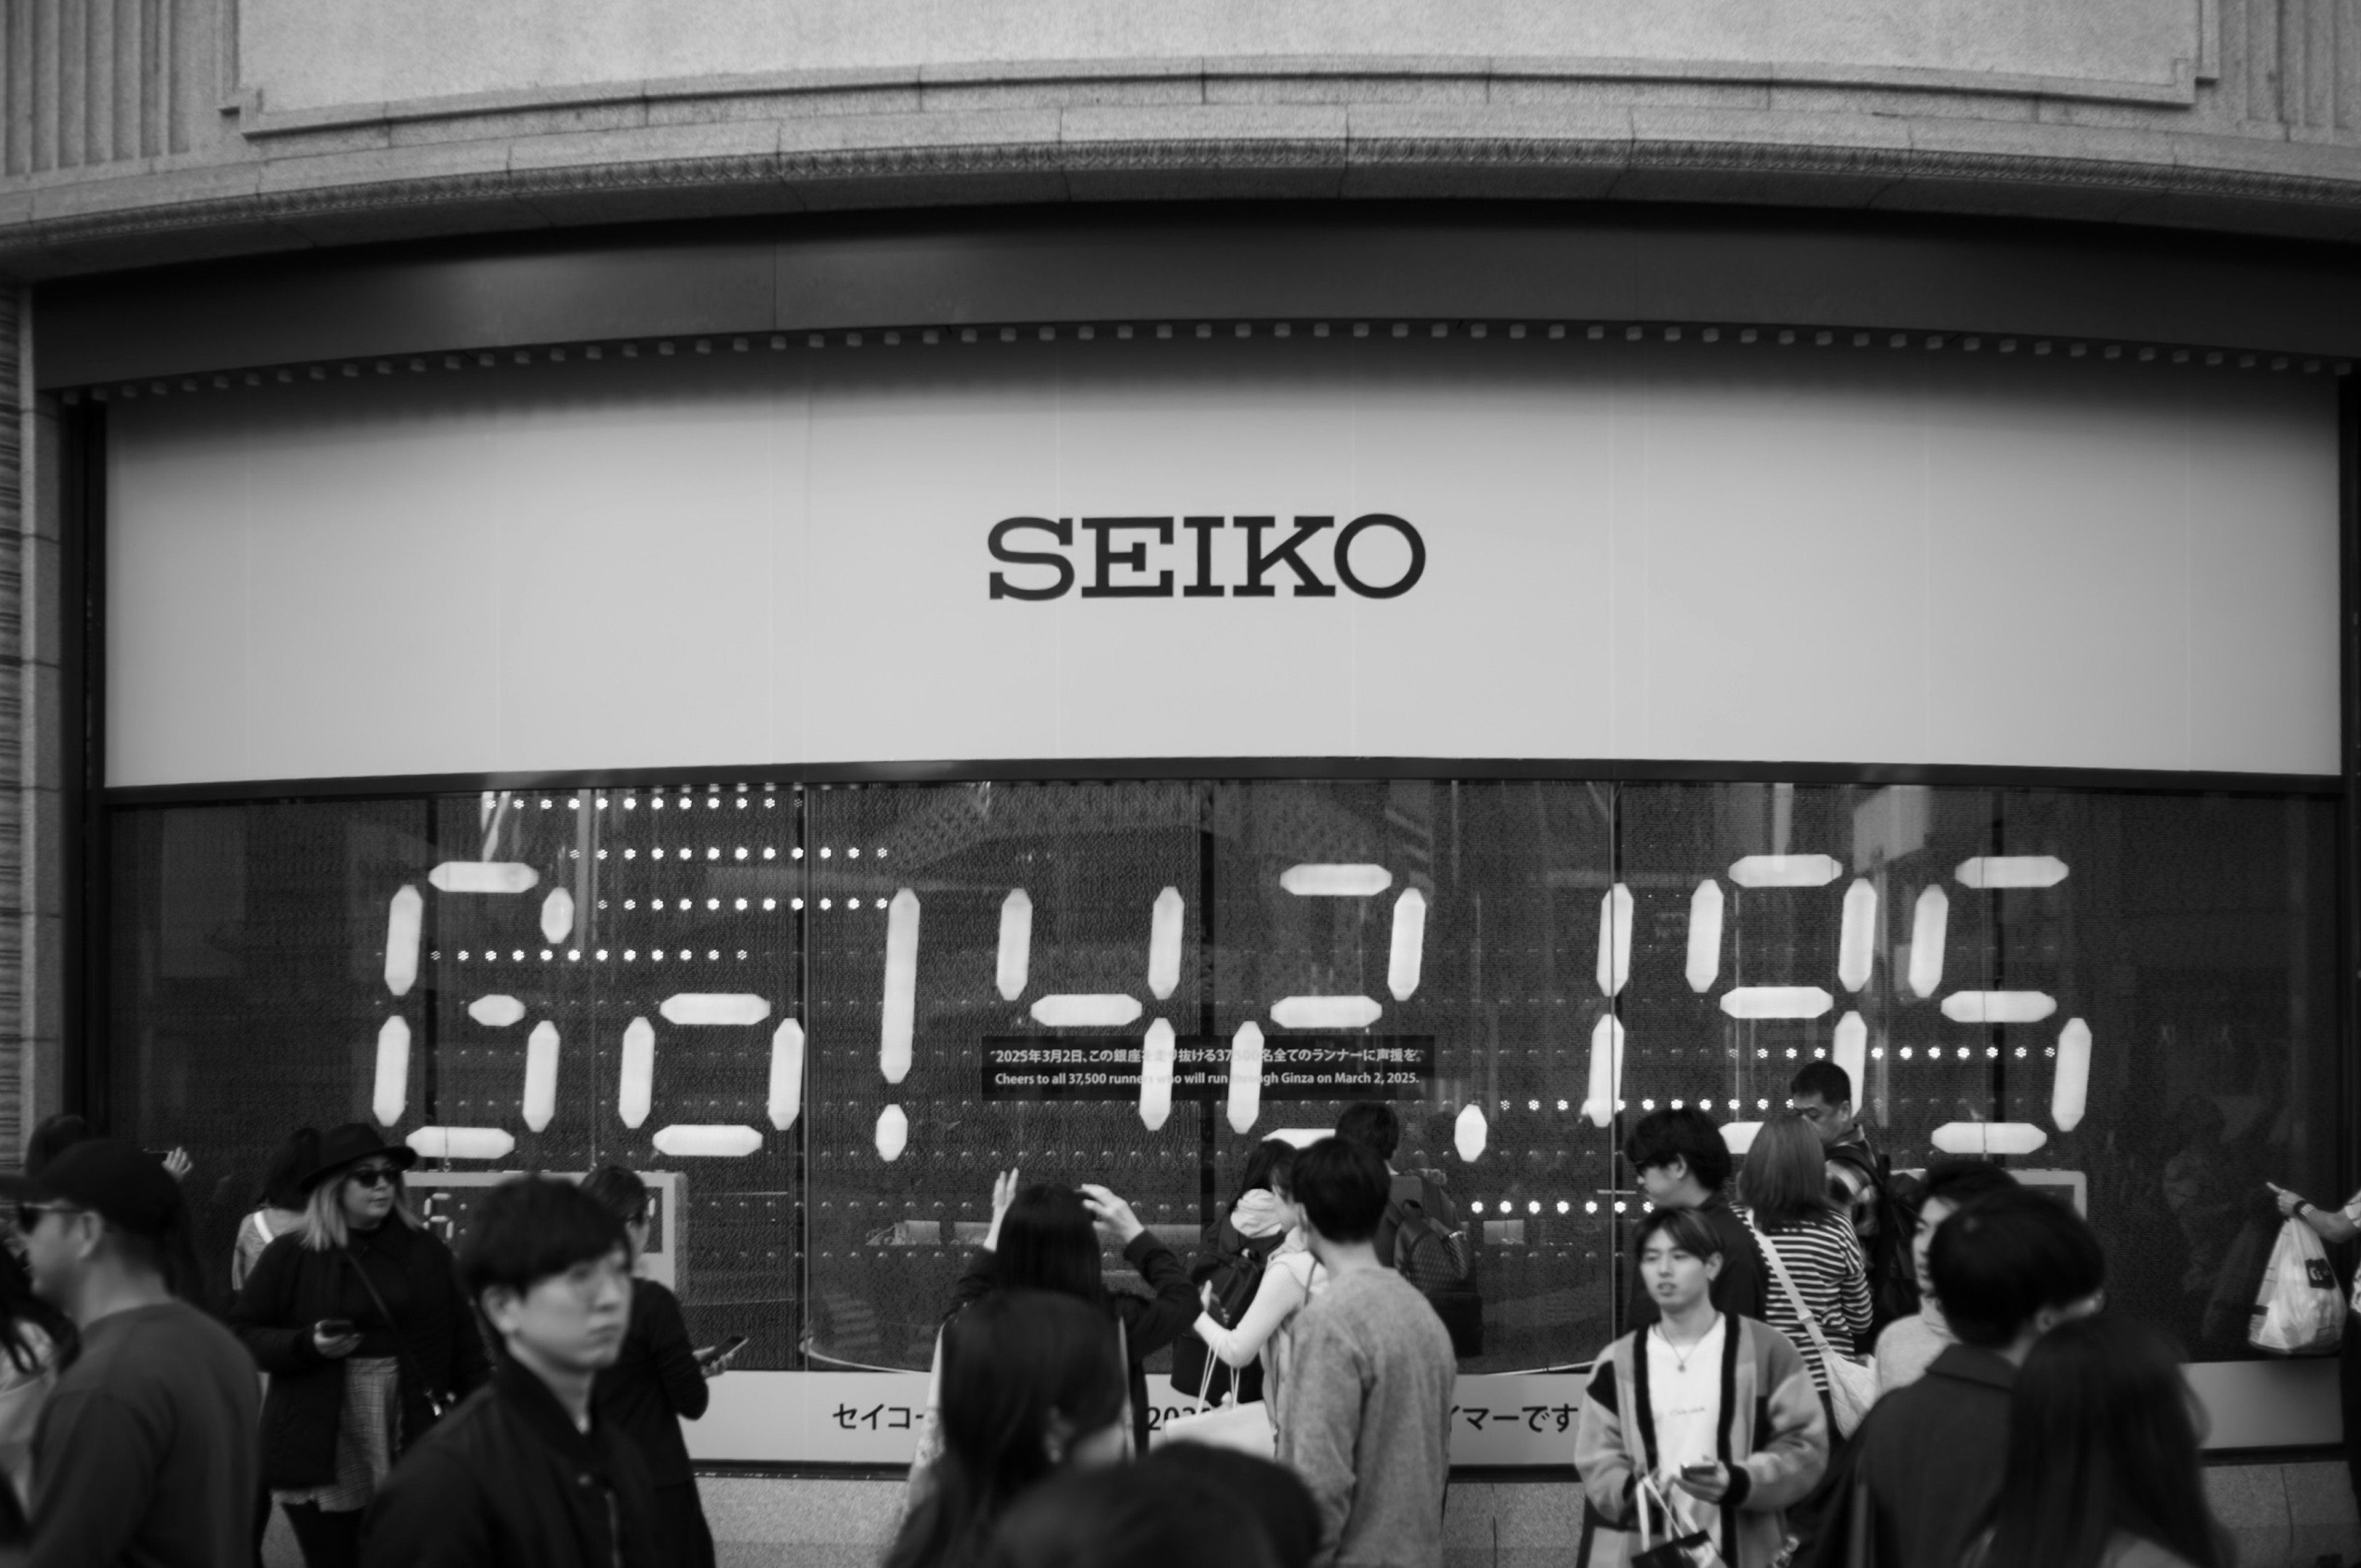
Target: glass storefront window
x=2128 y=996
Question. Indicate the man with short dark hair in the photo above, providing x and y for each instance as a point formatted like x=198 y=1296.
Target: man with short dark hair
x=1910 y=1344
x=1821 y=1092
x=1680 y=1162
x=1365 y=1412
x=1374 y=1125
x=1438 y=1255
x=2008 y=1267
x=523 y=1473
x=146 y=1452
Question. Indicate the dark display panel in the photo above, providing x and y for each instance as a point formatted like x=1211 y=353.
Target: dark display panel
x=835 y=1012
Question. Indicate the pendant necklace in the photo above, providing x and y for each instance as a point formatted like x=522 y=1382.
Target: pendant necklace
x=1680 y=1361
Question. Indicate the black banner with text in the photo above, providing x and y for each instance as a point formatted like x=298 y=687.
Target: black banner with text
x=1294 y=1066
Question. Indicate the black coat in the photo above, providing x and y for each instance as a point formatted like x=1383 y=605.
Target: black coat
x=1923 y=1473
x=291 y=1287
x=1149 y=1325
x=656 y=1383
x=507 y=1481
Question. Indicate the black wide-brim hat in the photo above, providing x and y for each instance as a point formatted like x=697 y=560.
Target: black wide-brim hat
x=351 y=1143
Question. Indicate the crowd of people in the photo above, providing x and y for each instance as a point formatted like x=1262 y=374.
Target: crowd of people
x=1828 y=1364
x=518 y=1403
x=1041 y=1454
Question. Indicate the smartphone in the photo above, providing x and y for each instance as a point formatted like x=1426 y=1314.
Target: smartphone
x=1701 y=1470
x=715 y=1355
x=334 y=1328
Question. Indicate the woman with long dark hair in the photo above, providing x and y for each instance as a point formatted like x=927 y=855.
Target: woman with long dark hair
x=1046 y=1237
x=358 y=1316
x=1032 y=1383
x=2102 y=1469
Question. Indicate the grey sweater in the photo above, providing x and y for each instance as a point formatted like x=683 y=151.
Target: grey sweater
x=1367 y=1420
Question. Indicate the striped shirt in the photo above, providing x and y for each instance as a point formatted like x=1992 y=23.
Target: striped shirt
x=1824 y=1259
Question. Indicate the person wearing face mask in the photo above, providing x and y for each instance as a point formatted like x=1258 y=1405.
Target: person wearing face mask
x=1922 y=1473
x=1254 y=1225
x=356 y=1315
x=1032 y=1383
x=1710 y=1413
x=1291 y=1276
x=1909 y=1345
x=527 y=1474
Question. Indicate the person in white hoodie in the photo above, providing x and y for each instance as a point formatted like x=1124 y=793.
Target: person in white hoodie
x=1291 y=1276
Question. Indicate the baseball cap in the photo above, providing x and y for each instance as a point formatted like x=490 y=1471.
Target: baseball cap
x=119 y=1181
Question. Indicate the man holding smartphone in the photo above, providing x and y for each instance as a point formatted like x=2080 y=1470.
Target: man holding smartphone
x=525 y=1474
x=657 y=1381
x=1701 y=1426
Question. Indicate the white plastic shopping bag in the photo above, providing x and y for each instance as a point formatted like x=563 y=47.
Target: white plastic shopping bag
x=2299 y=1311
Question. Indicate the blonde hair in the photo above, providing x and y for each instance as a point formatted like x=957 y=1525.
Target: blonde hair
x=324 y=1225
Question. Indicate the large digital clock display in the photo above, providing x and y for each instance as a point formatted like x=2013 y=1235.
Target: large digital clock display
x=833 y=1012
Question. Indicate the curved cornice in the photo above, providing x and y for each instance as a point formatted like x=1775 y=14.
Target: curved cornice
x=165 y=215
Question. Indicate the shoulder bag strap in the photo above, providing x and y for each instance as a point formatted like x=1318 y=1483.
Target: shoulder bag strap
x=1642 y=1494
x=437 y=1400
x=1794 y=1296
x=1123 y=1365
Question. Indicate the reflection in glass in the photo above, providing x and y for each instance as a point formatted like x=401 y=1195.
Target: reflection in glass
x=835 y=1013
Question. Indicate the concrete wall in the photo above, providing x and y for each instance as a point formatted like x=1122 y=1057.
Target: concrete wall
x=138 y=131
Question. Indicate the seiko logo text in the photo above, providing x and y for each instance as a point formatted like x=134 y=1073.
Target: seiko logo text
x=1116 y=552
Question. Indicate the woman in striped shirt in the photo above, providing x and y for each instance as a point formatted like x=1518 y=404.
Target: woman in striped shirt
x=1784 y=1190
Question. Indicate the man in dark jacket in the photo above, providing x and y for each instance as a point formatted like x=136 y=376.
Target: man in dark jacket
x=1923 y=1472
x=1376 y=1127
x=1821 y=1092
x=658 y=1382
x=145 y=1452
x=1441 y=1266
x=1682 y=1162
x=525 y=1475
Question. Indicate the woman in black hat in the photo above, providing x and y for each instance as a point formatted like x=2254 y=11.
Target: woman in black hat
x=358 y=1316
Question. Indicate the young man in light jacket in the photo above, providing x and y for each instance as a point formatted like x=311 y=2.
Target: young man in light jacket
x=1716 y=1411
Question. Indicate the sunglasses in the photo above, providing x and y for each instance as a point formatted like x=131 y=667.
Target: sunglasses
x=28 y=1215
x=373 y=1175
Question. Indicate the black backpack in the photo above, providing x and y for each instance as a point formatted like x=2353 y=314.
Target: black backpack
x=1440 y=1261
x=1233 y=1266
x=1893 y=1277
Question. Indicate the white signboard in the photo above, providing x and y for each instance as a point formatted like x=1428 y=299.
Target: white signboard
x=874 y=1418
x=1337 y=547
